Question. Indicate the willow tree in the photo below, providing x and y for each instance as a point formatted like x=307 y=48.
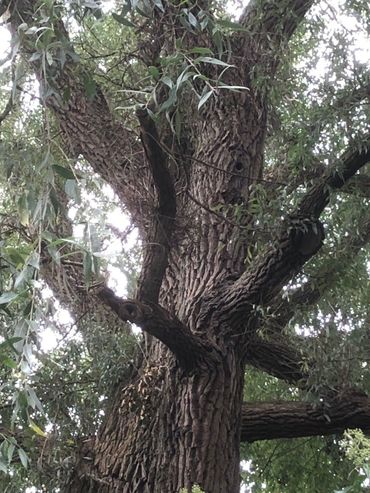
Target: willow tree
x=245 y=176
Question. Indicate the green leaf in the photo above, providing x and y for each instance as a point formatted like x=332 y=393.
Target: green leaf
x=10 y=363
x=204 y=98
x=171 y=101
x=159 y=4
x=11 y=448
x=7 y=297
x=3 y=466
x=235 y=26
x=23 y=457
x=154 y=72
x=35 y=56
x=24 y=213
x=49 y=58
x=54 y=201
x=233 y=88
x=200 y=50
x=9 y=342
x=64 y=172
x=16 y=256
x=192 y=20
x=166 y=80
x=183 y=77
x=34 y=260
x=213 y=61
x=37 y=429
x=33 y=400
x=72 y=190
x=22 y=277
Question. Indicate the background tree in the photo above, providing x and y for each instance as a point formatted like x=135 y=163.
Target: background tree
x=236 y=149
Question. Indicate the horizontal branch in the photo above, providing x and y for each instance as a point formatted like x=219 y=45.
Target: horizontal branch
x=157 y=244
x=190 y=351
x=271 y=420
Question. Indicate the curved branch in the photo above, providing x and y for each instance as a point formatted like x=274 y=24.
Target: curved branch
x=190 y=351
x=318 y=284
x=271 y=420
x=158 y=242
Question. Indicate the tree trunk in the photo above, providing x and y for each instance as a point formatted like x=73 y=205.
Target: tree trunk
x=178 y=423
x=171 y=430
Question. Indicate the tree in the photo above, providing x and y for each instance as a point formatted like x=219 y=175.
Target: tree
x=245 y=175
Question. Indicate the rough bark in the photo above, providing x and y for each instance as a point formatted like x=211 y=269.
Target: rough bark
x=269 y=420
x=179 y=422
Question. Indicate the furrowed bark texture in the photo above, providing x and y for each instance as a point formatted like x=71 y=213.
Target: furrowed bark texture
x=269 y=420
x=179 y=422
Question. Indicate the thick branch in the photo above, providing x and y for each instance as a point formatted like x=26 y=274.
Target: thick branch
x=276 y=20
x=277 y=358
x=335 y=178
x=270 y=420
x=301 y=238
x=189 y=350
x=319 y=283
x=158 y=241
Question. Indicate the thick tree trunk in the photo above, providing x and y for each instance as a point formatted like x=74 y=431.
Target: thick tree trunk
x=170 y=430
x=179 y=421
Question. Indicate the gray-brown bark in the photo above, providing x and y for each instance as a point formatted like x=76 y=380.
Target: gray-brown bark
x=179 y=422
x=269 y=420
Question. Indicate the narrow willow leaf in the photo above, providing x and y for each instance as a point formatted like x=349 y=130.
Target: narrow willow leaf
x=37 y=429
x=213 y=61
x=200 y=50
x=235 y=26
x=63 y=172
x=204 y=98
x=7 y=297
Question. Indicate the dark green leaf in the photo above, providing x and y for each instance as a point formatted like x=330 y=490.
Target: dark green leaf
x=63 y=172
